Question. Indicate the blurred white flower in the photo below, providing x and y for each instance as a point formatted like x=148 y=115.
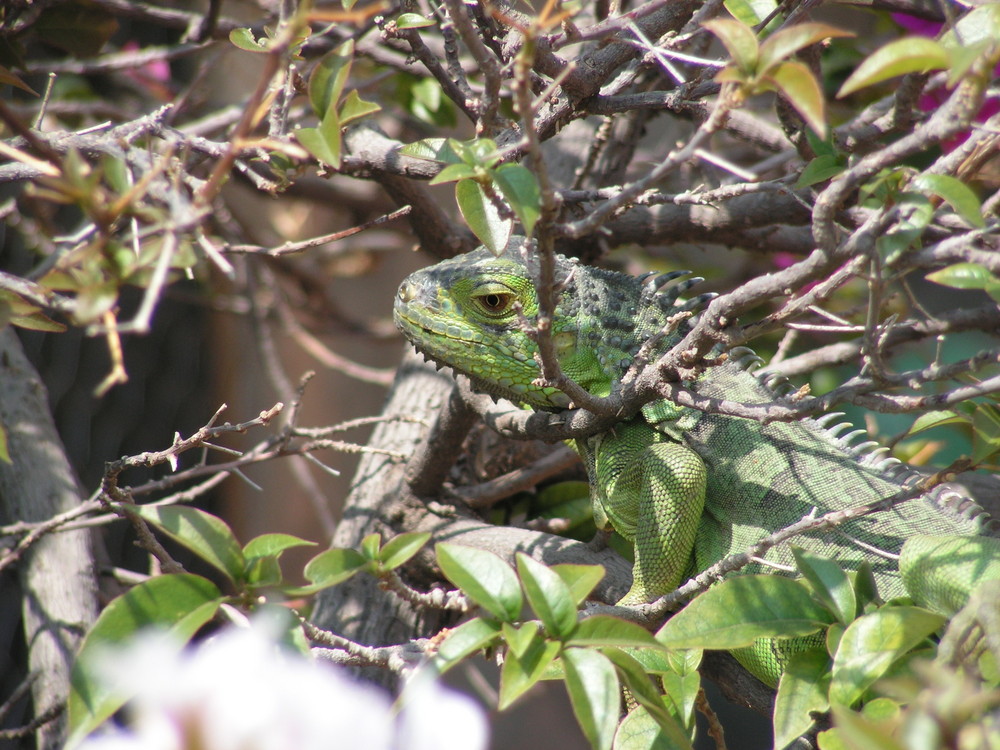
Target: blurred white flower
x=240 y=690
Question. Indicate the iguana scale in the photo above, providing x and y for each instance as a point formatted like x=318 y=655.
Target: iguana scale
x=687 y=487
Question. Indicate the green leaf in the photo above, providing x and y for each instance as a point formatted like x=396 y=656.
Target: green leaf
x=204 y=534
x=370 y=546
x=324 y=142
x=263 y=572
x=595 y=694
x=872 y=643
x=329 y=568
x=955 y=193
x=750 y=12
x=413 y=21
x=640 y=731
x=605 y=630
x=548 y=596
x=354 y=108
x=800 y=87
x=913 y=54
x=180 y=602
x=482 y=216
x=803 y=688
x=580 y=579
x=401 y=548
x=4 y=449
x=452 y=173
x=740 y=610
x=37 y=321
x=328 y=78
x=981 y=25
x=854 y=730
x=933 y=419
x=267 y=545
x=520 y=671
x=782 y=44
x=830 y=582
x=648 y=696
x=244 y=39
x=964 y=276
x=467 y=638
x=985 y=432
x=483 y=577
x=680 y=688
x=739 y=40
x=12 y=79
x=430 y=149
x=821 y=169
x=520 y=187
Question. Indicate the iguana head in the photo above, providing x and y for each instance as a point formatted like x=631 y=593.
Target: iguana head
x=473 y=312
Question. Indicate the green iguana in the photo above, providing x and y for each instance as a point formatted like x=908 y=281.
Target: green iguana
x=686 y=487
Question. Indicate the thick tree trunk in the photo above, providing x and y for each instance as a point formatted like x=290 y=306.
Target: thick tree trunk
x=56 y=573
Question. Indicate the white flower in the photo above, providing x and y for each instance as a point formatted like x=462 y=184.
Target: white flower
x=242 y=691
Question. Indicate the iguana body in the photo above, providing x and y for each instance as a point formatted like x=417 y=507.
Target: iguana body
x=688 y=487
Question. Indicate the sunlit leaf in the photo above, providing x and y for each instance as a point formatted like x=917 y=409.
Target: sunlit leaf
x=206 y=535
x=520 y=187
x=594 y=692
x=244 y=39
x=782 y=44
x=739 y=40
x=329 y=78
x=803 y=92
x=741 y=609
x=872 y=643
x=413 y=21
x=482 y=216
x=955 y=193
x=354 y=108
x=910 y=55
x=802 y=690
x=548 y=596
x=483 y=577
x=401 y=548
x=526 y=666
x=829 y=582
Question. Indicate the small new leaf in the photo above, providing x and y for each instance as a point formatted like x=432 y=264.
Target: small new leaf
x=401 y=548
x=244 y=39
x=412 y=21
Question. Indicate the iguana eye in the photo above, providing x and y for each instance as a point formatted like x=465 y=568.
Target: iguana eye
x=495 y=303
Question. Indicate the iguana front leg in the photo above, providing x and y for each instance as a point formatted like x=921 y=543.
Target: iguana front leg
x=652 y=491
